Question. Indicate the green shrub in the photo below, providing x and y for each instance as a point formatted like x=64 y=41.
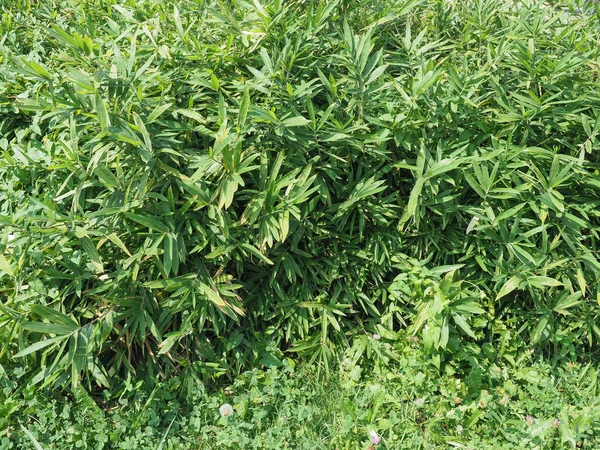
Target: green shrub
x=198 y=187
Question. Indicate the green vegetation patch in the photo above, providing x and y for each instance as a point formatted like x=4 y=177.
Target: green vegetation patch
x=406 y=405
x=191 y=190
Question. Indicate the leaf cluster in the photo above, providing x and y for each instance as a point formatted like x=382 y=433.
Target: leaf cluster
x=197 y=187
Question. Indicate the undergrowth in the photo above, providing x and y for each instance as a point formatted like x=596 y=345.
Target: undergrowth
x=409 y=404
x=193 y=191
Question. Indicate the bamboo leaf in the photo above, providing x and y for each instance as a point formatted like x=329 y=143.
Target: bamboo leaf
x=252 y=250
x=92 y=253
x=148 y=222
x=413 y=201
x=243 y=111
x=510 y=285
x=40 y=345
x=54 y=316
x=540 y=282
x=297 y=121
x=376 y=74
x=51 y=328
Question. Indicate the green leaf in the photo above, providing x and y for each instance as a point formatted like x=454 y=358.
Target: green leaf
x=541 y=282
x=523 y=255
x=510 y=285
x=54 y=316
x=413 y=201
x=118 y=242
x=214 y=81
x=284 y=224
x=220 y=250
x=509 y=213
x=32 y=438
x=463 y=325
x=88 y=45
x=43 y=327
x=92 y=253
x=443 y=166
x=37 y=68
x=297 y=121
x=40 y=345
x=567 y=302
x=145 y=135
x=466 y=305
x=581 y=280
x=171 y=254
x=167 y=344
x=376 y=74
x=102 y=113
x=63 y=36
x=191 y=114
x=157 y=112
x=476 y=187
x=243 y=111
x=439 y=270
x=148 y=222
x=178 y=24
x=541 y=330
x=167 y=254
x=5 y=265
x=251 y=249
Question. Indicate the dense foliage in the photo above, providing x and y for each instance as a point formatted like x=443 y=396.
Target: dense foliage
x=203 y=187
x=408 y=404
x=401 y=195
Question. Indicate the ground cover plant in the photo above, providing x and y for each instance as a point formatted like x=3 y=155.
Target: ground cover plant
x=407 y=404
x=192 y=190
